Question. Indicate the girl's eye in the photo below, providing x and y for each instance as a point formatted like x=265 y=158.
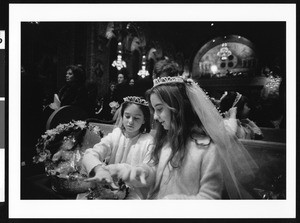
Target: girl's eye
x=159 y=110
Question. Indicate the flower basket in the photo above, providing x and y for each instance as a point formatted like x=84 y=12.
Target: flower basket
x=61 y=150
x=103 y=191
x=70 y=185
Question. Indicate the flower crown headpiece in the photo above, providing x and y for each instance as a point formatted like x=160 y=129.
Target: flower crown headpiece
x=165 y=80
x=136 y=100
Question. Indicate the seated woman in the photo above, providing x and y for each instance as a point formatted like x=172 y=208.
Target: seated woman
x=74 y=92
x=235 y=109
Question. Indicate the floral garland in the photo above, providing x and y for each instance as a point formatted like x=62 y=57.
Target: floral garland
x=59 y=148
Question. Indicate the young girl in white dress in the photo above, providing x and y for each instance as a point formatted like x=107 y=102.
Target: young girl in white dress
x=128 y=144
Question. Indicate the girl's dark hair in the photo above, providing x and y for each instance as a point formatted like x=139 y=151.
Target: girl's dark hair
x=78 y=72
x=145 y=128
x=184 y=122
x=227 y=102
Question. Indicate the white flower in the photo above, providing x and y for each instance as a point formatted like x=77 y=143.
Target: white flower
x=114 y=104
x=96 y=129
x=81 y=124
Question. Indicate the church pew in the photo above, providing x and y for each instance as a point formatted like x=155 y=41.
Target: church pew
x=270 y=179
x=274 y=135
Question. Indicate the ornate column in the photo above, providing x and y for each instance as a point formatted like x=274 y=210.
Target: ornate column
x=97 y=56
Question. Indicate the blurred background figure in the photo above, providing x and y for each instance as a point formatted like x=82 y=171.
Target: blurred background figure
x=236 y=110
x=74 y=92
x=166 y=67
x=105 y=112
x=271 y=112
x=122 y=86
x=132 y=90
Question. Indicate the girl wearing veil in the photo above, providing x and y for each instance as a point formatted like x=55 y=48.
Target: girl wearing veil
x=194 y=157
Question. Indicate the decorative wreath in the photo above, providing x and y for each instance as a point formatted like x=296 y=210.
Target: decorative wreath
x=60 y=149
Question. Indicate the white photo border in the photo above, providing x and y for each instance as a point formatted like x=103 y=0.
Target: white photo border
x=151 y=208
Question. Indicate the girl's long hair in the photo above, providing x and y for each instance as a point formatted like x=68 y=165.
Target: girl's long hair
x=184 y=122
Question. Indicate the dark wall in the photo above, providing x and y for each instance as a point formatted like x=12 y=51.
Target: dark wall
x=48 y=47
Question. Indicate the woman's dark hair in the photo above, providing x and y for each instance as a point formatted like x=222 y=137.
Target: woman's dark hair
x=123 y=71
x=78 y=72
x=146 y=127
x=227 y=102
x=165 y=68
x=184 y=121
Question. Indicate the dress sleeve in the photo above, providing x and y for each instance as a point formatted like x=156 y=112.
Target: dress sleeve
x=100 y=152
x=211 y=182
x=231 y=125
x=248 y=130
x=256 y=130
x=148 y=167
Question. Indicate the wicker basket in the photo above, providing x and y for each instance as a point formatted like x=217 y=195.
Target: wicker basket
x=69 y=185
x=102 y=191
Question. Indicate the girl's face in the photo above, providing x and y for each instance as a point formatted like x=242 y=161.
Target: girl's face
x=245 y=112
x=161 y=112
x=133 y=119
x=70 y=76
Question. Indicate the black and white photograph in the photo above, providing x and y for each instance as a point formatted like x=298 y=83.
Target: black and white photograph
x=152 y=110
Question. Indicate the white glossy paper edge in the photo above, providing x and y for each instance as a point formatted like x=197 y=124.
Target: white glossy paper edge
x=155 y=208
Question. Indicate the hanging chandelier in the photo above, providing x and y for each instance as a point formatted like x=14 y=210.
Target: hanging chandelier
x=119 y=63
x=143 y=72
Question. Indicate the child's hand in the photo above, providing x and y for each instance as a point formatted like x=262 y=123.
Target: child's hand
x=138 y=174
x=102 y=175
x=120 y=171
x=128 y=173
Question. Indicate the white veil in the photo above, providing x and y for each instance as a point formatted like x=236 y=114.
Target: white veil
x=237 y=164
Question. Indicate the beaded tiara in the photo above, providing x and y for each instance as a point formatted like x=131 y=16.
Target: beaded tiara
x=136 y=100
x=165 y=80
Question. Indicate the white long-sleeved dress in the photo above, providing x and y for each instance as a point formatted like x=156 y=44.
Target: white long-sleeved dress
x=115 y=148
x=199 y=177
